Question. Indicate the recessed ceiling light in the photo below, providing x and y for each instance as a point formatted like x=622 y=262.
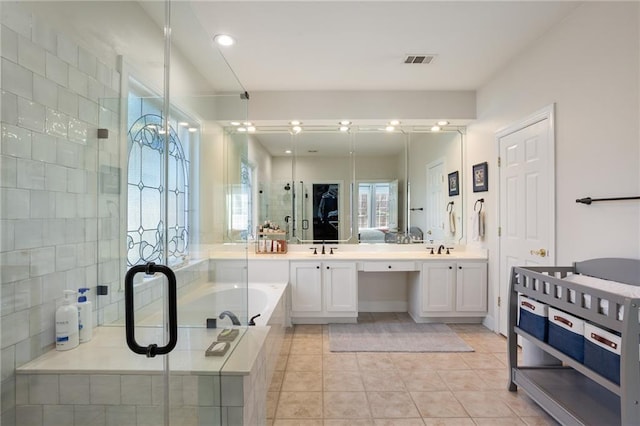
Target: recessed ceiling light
x=435 y=128
x=288 y=151
x=443 y=123
x=242 y=129
x=235 y=123
x=251 y=129
x=224 y=40
x=394 y=122
x=295 y=122
x=344 y=128
x=389 y=128
x=345 y=122
x=193 y=129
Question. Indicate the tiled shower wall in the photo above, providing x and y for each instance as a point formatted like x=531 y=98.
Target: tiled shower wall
x=59 y=225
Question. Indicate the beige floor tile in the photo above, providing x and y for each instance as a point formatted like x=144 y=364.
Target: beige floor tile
x=438 y=404
x=346 y=405
x=340 y=362
x=484 y=403
x=296 y=405
x=298 y=422
x=410 y=361
x=286 y=347
x=374 y=361
x=307 y=329
x=398 y=422
x=302 y=381
x=494 y=379
x=522 y=405
x=461 y=421
x=391 y=405
x=444 y=361
x=382 y=380
x=348 y=422
x=272 y=404
x=304 y=363
x=477 y=361
x=492 y=421
x=306 y=347
x=281 y=364
x=342 y=381
x=276 y=381
x=422 y=380
x=461 y=380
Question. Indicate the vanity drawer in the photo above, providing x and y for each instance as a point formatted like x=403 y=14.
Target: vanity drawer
x=389 y=266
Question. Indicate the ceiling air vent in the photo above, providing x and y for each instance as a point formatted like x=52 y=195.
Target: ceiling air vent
x=418 y=59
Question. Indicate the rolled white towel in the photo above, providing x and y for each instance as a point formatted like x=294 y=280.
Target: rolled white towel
x=452 y=222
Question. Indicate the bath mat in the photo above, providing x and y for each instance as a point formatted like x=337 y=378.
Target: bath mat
x=394 y=337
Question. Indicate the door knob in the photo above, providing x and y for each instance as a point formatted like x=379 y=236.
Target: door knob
x=542 y=252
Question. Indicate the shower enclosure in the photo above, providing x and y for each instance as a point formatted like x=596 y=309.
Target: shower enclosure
x=114 y=156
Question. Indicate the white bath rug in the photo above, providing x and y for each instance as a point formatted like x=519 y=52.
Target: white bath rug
x=395 y=337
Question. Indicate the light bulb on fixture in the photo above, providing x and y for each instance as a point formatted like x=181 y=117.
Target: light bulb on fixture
x=389 y=128
x=443 y=123
x=234 y=123
x=394 y=122
x=345 y=122
x=435 y=128
x=251 y=129
x=295 y=122
x=242 y=129
x=193 y=129
x=288 y=151
x=296 y=129
x=183 y=124
x=224 y=40
x=247 y=123
x=344 y=128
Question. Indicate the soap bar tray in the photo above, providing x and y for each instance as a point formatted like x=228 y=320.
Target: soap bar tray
x=222 y=348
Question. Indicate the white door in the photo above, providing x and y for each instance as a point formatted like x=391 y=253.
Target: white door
x=527 y=194
x=435 y=201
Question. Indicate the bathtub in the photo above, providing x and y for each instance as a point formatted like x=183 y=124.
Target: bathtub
x=208 y=300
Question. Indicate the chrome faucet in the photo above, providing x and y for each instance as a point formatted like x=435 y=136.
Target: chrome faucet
x=234 y=319
x=440 y=248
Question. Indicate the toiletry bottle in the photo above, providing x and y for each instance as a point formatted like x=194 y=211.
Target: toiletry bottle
x=84 y=316
x=67 y=323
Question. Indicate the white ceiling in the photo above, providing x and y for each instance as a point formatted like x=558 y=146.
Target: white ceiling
x=343 y=45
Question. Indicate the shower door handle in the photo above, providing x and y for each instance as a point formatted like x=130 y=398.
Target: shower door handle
x=305 y=224
x=153 y=349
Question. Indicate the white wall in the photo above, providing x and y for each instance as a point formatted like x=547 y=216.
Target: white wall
x=588 y=66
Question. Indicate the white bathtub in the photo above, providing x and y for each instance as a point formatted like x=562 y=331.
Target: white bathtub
x=209 y=300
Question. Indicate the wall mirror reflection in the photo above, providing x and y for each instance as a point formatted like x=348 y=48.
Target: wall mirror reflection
x=364 y=185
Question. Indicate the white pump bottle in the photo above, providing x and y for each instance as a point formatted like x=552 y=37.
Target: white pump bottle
x=67 y=335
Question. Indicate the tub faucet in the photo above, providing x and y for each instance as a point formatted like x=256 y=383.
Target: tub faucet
x=232 y=317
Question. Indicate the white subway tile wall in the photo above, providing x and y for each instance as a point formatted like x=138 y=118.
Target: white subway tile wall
x=49 y=216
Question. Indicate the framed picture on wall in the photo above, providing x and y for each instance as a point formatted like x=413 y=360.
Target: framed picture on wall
x=454 y=185
x=480 y=177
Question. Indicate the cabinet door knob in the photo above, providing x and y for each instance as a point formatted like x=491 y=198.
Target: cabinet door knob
x=459 y=267
x=327 y=267
x=317 y=267
x=389 y=266
x=450 y=267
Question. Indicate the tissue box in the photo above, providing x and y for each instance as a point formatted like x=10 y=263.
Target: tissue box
x=533 y=317
x=602 y=352
x=566 y=333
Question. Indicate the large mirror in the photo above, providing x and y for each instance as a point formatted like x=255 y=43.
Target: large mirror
x=365 y=185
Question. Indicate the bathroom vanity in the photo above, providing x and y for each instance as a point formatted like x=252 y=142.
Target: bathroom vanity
x=326 y=288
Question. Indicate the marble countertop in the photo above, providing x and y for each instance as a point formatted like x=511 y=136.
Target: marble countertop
x=107 y=353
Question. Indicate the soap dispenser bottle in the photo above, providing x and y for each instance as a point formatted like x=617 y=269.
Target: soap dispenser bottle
x=67 y=336
x=85 y=316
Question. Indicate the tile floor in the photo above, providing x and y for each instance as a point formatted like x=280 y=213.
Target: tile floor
x=313 y=386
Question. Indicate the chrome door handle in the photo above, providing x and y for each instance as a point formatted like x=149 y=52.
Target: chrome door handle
x=542 y=252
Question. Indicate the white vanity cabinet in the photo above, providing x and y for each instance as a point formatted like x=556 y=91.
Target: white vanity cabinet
x=455 y=289
x=323 y=291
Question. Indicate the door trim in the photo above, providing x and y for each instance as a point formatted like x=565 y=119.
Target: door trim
x=546 y=113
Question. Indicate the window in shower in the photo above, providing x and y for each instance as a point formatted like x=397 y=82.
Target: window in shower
x=154 y=180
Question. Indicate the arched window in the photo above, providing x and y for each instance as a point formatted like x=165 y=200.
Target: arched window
x=151 y=185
